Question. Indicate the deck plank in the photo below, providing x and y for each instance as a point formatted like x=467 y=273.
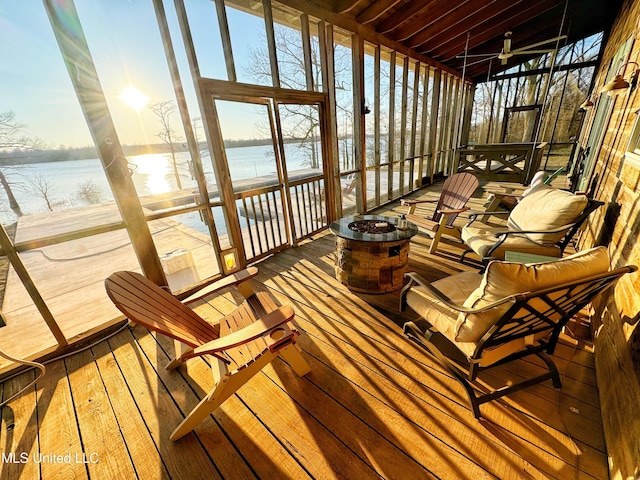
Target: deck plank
x=19 y=432
x=187 y=385
x=304 y=296
x=157 y=403
x=99 y=429
x=57 y=429
x=132 y=424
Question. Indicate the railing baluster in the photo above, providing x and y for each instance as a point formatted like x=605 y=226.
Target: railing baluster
x=246 y=213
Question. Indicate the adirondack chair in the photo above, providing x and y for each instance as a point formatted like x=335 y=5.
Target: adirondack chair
x=239 y=346
x=456 y=192
x=542 y=223
x=510 y=312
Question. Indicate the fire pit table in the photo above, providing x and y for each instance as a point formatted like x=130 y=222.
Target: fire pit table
x=372 y=252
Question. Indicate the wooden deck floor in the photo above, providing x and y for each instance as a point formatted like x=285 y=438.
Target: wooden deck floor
x=374 y=406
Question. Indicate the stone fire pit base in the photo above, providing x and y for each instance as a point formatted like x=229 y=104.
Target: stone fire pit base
x=371 y=266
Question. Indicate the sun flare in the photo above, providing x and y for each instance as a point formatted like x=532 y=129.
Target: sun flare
x=134 y=98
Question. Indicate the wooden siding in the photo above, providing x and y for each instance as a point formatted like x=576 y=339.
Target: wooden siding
x=617 y=225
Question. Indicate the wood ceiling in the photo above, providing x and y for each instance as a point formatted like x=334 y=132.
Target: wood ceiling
x=438 y=28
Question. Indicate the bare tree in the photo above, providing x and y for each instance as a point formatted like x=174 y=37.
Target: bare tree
x=301 y=122
x=88 y=192
x=12 y=142
x=39 y=186
x=196 y=124
x=565 y=91
x=168 y=135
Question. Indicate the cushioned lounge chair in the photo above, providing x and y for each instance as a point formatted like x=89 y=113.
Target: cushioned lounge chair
x=542 y=223
x=239 y=346
x=510 y=312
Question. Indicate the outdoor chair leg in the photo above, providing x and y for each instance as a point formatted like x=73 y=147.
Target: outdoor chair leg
x=291 y=354
x=475 y=397
x=464 y=254
x=180 y=351
x=226 y=384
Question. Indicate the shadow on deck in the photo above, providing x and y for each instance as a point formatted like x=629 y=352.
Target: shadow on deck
x=373 y=406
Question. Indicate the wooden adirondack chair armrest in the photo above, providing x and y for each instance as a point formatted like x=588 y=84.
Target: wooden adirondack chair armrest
x=414 y=279
x=228 y=281
x=414 y=202
x=257 y=329
x=505 y=194
x=451 y=212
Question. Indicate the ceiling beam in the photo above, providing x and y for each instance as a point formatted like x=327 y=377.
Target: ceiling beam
x=409 y=18
x=463 y=15
x=345 y=6
x=376 y=10
x=482 y=34
x=436 y=13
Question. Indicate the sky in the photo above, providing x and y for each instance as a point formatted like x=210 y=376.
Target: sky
x=126 y=47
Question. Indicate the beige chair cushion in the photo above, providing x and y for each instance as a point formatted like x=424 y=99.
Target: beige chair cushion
x=456 y=287
x=546 y=208
x=481 y=239
x=502 y=279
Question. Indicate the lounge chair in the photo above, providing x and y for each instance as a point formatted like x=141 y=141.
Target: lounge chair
x=456 y=192
x=510 y=312
x=249 y=338
x=542 y=223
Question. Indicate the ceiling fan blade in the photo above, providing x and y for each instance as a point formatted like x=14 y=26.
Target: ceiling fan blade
x=477 y=55
x=527 y=52
x=544 y=42
x=480 y=61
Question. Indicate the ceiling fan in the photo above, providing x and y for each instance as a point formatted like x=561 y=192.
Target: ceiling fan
x=507 y=52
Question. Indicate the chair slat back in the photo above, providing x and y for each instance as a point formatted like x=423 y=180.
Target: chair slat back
x=456 y=192
x=547 y=311
x=144 y=302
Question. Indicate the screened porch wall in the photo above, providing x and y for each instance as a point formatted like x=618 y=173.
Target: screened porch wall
x=388 y=119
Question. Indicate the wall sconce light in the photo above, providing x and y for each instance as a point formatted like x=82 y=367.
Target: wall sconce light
x=587 y=104
x=619 y=84
x=364 y=108
x=229 y=260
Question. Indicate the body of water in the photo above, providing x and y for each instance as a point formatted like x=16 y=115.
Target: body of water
x=80 y=182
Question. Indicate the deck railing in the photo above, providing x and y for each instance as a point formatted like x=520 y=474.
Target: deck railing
x=266 y=223
x=507 y=162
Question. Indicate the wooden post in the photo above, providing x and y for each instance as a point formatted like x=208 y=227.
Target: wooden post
x=271 y=43
x=359 y=146
x=423 y=124
x=391 y=135
x=376 y=121
x=84 y=77
x=226 y=40
x=403 y=122
x=25 y=278
x=414 y=122
x=433 y=126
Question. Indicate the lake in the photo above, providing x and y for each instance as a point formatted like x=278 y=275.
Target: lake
x=64 y=182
